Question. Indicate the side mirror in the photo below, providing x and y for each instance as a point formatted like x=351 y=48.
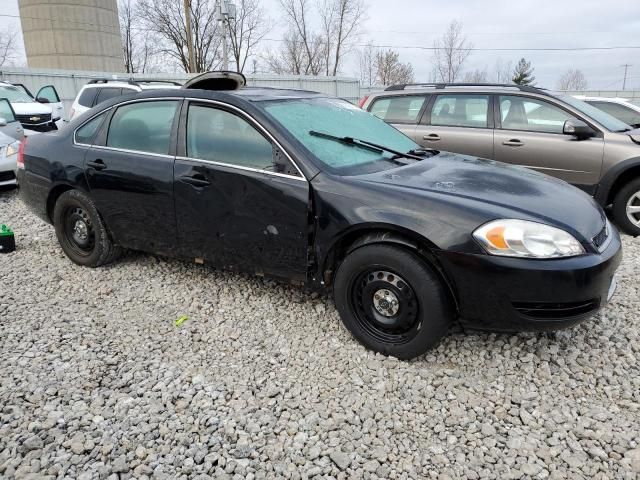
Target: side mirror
x=3 y=122
x=42 y=100
x=578 y=129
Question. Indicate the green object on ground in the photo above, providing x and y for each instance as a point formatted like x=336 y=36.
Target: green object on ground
x=5 y=231
x=181 y=320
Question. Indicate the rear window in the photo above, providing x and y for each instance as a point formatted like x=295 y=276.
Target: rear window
x=107 y=93
x=87 y=96
x=398 y=109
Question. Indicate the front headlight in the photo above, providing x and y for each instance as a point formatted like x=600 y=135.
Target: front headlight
x=13 y=148
x=521 y=238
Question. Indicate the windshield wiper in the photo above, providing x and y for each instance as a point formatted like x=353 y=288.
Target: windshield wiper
x=356 y=142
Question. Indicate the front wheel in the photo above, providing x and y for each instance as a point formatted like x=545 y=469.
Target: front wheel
x=626 y=208
x=391 y=301
x=81 y=232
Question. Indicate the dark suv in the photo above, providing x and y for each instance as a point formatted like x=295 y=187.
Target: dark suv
x=549 y=132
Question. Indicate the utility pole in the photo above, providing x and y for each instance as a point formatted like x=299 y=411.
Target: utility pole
x=624 y=82
x=187 y=17
x=226 y=11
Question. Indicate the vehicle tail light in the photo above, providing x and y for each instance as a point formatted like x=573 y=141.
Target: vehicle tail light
x=363 y=100
x=20 y=160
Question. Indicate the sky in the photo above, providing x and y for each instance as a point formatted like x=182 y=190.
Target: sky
x=491 y=24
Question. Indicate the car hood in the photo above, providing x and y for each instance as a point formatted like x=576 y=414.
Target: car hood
x=31 y=108
x=496 y=190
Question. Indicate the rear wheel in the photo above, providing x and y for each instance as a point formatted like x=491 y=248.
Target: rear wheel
x=626 y=208
x=81 y=232
x=391 y=301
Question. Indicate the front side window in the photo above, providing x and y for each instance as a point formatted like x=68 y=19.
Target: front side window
x=528 y=114
x=398 y=109
x=107 y=93
x=143 y=126
x=221 y=136
x=621 y=112
x=6 y=111
x=339 y=118
x=86 y=133
x=461 y=111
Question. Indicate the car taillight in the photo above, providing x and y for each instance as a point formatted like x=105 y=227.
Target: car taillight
x=363 y=100
x=20 y=160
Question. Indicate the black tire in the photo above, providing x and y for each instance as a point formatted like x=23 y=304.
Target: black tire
x=627 y=196
x=422 y=313
x=81 y=232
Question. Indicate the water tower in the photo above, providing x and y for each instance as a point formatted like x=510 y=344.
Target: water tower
x=72 y=34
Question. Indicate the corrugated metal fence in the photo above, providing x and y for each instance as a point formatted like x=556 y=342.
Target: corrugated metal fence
x=68 y=84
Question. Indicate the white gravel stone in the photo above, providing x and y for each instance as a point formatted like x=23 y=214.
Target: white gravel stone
x=263 y=381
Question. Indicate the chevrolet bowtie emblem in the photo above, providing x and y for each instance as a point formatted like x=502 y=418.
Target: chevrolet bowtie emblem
x=34 y=119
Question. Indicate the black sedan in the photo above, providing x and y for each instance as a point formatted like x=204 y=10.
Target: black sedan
x=311 y=189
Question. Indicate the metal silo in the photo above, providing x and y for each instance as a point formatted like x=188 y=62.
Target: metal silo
x=72 y=34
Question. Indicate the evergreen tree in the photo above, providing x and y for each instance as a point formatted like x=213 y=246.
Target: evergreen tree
x=523 y=73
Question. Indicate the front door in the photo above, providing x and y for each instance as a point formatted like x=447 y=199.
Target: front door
x=9 y=124
x=530 y=135
x=130 y=175
x=50 y=93
x=240 y=202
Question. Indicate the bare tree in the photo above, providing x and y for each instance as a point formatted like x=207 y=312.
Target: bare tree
x=344 y=24
x=291 y=58
x=476 y=76
x=8 y=45
x=503 y=71
x=572 y=79
x=166 y=19
x=137 y=44
x=390 y=70
x=367 y=65
x=312 y=60
x=247 y=30
x=451 y=52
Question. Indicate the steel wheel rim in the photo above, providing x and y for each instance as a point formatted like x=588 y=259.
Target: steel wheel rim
x=633 y=209
x=371 y=295
x=79 y=232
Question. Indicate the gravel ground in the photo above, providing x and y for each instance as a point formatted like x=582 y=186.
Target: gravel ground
x=263 y=381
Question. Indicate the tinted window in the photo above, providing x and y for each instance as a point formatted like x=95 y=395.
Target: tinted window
x=621 y=112
x=144 y=126
x=521 y=113
x=87 y=96
x=400 y=109
x=220 y=136
x=87 y=132
x=461 y=111
x=5 y=111
x=49 y=93
x=106 y=94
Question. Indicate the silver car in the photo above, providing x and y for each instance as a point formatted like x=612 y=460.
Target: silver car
x=9 y=124
x=9 y=148
x=552 y=133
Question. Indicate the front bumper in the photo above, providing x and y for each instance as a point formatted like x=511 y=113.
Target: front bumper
x=514 y=294
x=7 y=170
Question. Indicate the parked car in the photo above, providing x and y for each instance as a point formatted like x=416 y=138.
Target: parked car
x=31 y=114
x=9 y=148
x=100 y=90
x=552 y=133
x=620 y=108
x=49 y=95
x=312 y=189
x=9 y=124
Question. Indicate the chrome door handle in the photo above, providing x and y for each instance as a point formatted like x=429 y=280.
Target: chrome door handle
x=514 y=142
x=97 y=165
x=432 y=137
x=196 y=180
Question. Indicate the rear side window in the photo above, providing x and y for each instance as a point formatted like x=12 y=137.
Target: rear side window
x=6 y=111
x=86 y=133
x=529 y=114
x=461 y=111
x=143 y=127
x=107 y=93
x=87 y=96
x=621 y=112
x=399 y=109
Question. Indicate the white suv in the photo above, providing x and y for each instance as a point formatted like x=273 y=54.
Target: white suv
x=97 y=91
x=620 y=108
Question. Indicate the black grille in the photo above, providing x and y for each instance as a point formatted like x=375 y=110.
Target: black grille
x=36 y=119
x=601 y=237
x=6 y=176
x=549 y=311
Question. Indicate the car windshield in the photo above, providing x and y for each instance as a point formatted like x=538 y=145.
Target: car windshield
x=607 y=121
x=14 y=95
x=339 y=118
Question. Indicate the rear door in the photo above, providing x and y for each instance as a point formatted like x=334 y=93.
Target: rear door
x=129 y=169
x=458 y=122
x=12 y=126
x=240 y=201
x=530 y=133
x=50 y=93
x=401 y=111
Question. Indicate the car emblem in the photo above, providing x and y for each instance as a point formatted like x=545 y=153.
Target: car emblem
x=34 y=119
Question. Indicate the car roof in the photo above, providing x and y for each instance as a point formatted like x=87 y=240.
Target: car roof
x=421 y=88
x=602 y=99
